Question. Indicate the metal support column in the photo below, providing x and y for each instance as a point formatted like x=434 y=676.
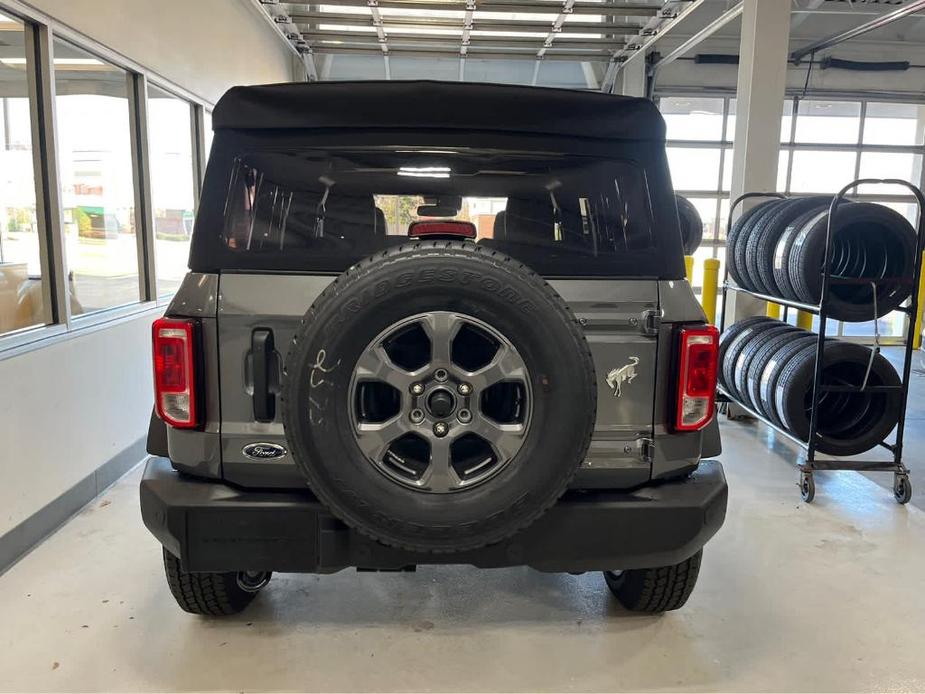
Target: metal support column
x=760 y=100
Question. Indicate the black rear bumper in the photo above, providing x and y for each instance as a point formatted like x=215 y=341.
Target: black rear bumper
x=213 y=527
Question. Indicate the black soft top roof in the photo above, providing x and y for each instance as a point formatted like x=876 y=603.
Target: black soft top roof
x=373 y=105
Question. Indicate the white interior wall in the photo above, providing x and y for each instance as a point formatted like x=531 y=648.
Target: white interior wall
x=205 y=46
x=68 y=408
x=71 y=406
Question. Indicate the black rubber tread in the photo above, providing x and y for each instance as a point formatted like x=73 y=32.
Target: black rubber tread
x=211 y=594
x=870 y=241
x=783 y=250
x=759 y=253
x=767 y=384
x=691 y=225
x=445 y=537
x=847 y=423
x=752 y=393
x=739 y=343
x=730 y=334
x=661 y=589
x=738 y=257
x=739 y=385
x=732 y=237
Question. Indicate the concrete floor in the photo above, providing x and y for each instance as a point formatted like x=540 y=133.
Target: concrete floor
x=791 y=597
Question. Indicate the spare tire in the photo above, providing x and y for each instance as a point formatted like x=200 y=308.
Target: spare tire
x=870 y=241
x=691 y=225
x=439 y=396
x=848 y=422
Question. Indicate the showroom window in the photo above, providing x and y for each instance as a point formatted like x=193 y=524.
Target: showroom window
x=22 y=296
x=170 y=146
x=97 y=184
x=76 y=259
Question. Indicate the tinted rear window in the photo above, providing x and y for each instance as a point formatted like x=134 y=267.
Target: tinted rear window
x=323 y=210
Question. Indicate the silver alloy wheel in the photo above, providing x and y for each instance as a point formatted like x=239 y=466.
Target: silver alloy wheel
x=441 y=403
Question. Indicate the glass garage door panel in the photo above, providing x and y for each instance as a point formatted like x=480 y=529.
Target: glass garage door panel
x=828 y=122
x=893 y=124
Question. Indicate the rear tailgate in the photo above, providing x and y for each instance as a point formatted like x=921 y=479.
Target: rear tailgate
x=619 y=317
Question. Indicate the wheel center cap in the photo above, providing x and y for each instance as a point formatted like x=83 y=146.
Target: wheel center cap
x=441 y=403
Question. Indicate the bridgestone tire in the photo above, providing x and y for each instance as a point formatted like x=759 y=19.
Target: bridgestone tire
x=734 y=235
x=738 y=342
x=739 y=257
x=416 y=279
x=210 y=594
x=730 y=334
x=848 y=423
x=782 y=253
x=769 y=348
x=762 y=243
x=655 y=590
x=767 y=385
x=747 y=355
x=691 y=225
x=869 y=241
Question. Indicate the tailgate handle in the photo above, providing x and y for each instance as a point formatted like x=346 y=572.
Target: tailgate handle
x=263 y=355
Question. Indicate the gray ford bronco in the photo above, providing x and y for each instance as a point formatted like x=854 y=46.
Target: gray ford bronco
x=433 y=323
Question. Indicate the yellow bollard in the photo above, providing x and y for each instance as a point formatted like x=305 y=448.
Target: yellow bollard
x=917 y=326
x=710 y=287
x=772 y=310
x=689 y=268
x=804 y=320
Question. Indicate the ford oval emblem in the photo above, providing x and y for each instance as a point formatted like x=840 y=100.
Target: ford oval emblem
x=263 y=451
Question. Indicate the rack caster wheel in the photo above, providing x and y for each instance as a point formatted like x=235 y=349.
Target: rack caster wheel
x=902 y=489
x=807 y=487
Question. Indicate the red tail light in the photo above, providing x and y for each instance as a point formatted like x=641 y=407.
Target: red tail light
x=175 y=372
x=696 y=377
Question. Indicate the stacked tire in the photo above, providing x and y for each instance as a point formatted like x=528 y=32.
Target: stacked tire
x=769 y=365
x=777 y=248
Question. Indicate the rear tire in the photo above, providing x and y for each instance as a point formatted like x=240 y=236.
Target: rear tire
x=659 y=589
x=212 y=594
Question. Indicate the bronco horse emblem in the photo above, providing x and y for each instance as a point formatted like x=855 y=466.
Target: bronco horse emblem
x=625 y=374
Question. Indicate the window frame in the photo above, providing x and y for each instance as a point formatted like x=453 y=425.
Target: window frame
x=40 y=32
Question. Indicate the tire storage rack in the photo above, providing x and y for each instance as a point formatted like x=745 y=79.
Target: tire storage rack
x=902 y=488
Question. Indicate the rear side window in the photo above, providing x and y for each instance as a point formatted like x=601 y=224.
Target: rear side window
x=324 y=210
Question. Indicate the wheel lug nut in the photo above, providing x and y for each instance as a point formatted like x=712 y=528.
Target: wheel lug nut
x=417 y=416
x=464 y=416
x=417 y=388
x=441 y=374
x=441 y=429
x=464 y=389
